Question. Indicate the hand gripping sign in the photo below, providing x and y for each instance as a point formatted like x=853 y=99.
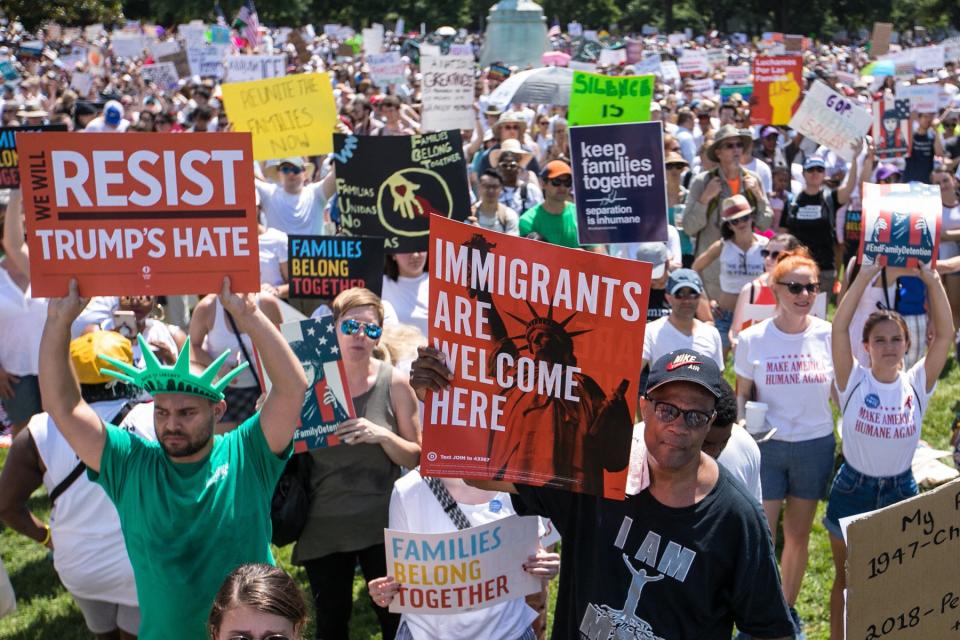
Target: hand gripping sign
x=140 y=213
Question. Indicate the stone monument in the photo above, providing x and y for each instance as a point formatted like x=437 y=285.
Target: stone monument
x=516 y=34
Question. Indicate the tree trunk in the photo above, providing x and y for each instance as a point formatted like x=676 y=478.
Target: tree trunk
x=668 y=15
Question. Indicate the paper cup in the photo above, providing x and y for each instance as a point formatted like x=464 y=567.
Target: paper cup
x=756 y=417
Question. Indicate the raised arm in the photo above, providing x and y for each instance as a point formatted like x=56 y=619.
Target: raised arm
x=853 y=177
x=13 y=244
x=281 y=410
x=939 y=350
x=78 y=423
x=842 y=349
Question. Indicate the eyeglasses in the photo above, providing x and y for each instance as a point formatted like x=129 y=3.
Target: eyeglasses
x=773 y=255
x=732 y=145
x=543 y=123
x=676 y=166
x=289 y=169
x=667 y=412
x=796 y=288
x=272 y=636
x=561 y=182
x=351 y=326
x=686 y=294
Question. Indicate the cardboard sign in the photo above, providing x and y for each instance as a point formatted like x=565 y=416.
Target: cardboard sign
x=900 y=224
x=388 y=186
x=180 y=62
x=600 y=99
x=140 y=213
x=694 y=62
x=165 y=48
x=254 y=67
x=387 y=68
x=462 y=570
x=830 y=119
x=290 y=116
x=448 y=85
x=518 y=410
x=162 y=74
x=327 y=401
x=880 y=40
x=793 y=43
x=892 y=131
x=902 y=567
x=777 y=83
x=324 y=266
x=619 y=182
x=923 y=97
x=10 y=158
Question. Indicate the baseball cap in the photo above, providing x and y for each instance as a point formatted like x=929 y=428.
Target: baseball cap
x=769 y=130
x=813 y=163
x=555 y=169
x=655 y=253
x=886 y=170
x=684 y=279
x=685 y=365
x=85 y=349
x=113 y=113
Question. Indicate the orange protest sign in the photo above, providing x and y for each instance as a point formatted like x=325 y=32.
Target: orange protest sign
x=777 y=82
x=140 y=213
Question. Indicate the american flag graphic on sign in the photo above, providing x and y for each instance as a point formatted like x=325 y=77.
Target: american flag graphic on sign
x=892 y=132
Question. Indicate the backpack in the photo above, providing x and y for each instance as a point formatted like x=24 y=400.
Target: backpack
x=291 y=500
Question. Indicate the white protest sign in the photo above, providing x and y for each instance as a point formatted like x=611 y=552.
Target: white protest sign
x=386 y=68
x=718 y=58
x=193 y=33
x=81 y=83
x=331 y=30
x=830 y=119
x=591 y=34
x=737 y=75
x=923 y=98
x=702 y=87
x=93 y=31
x=165 y=48
x=650 y=64
x=127 y=45
x=669 y=71
x=401 y=24
x=463 y=570
x=447 y=92
x=951 y=49
x=206 y=60
x=676 y=39
x=927 y=58
x=694 y=62
x=612 y=57
x=574 y=29
x=254 y=67
x=162 y=74
x=373 y=39
x=77 y=53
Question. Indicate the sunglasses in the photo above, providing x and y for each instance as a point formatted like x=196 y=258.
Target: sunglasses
x=351 y=326
x=796 y=288
x=732 y=145
x=289 y=169
x=676 y=166
x=514 y=127
x=736 y=222
x=667 y=412
x=773 y=255
x=686 y=294
x=561 y=182
x=272 y=636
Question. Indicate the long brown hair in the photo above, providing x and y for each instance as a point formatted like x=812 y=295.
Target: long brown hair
x=261 y=587
x=884 y=315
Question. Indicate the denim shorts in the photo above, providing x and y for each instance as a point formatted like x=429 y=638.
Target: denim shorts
x=798 y=469
x=25 y=402
x=723 y=320
x=854 y=493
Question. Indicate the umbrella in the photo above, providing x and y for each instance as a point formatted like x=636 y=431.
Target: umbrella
x=446 y=32
x=546 y=85
x=879 y=68
x=556 y=58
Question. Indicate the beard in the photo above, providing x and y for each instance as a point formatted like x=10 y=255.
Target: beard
x=190 y=444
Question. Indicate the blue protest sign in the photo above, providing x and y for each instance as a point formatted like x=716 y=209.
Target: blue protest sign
x=619 y=182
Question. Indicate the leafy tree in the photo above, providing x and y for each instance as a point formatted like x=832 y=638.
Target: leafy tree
x=33 y=13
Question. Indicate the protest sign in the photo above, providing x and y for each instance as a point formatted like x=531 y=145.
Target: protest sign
x=545 y=360
x=300 y=46
x=694 y=62
x=165 y=48
x=600 y=99
x=900 y=224
x=206 y=60
x=676 y=40
x=574 y=29
x=612 y=57
x=830 y=119
x=324 y=266
x=373 y=39
x=180 y=62
x=387 y=68
x=718 y=58
x=777 y=82
x=669 y=71
x=254 y=67
x=193 y=33
x=793 y=43
x=892 y=131
x=462 y=570
x=389 y=186
x=903 y=562
x=737 y=75
x=727 y=92
x=127 y=45
x=9 y=155
x=880 y=40
x=289 y=116
x=619 y=183
x=923 y=97
x=447 y=92
x=81 y=83
x=140 y=213
x=927 y=58
x=331 y=30
x=162 y=74
x=702 y=87
x=649 y=65
x=93 y=31
x=9 y=72
x=327 y=401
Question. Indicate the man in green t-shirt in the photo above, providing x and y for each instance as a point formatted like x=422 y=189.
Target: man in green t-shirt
x=192 y=506
x=554 y=219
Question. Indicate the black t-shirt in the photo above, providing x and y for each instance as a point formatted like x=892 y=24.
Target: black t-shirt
x=920 y=161
x=657 y=306
x=812 y=220
x=639 y=569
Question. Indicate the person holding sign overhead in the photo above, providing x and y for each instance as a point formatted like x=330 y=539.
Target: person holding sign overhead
x=293 y=204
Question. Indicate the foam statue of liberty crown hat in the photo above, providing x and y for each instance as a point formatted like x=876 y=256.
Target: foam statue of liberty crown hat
x=157 y=378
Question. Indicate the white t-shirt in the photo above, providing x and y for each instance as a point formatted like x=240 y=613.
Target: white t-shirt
x=410 y=298
x=881 y=421
x=738 y=267
x=741 y=457
x=661 y=337
x=300 y=214
x=89 y=552
x=792 y=373
x=413 y=507
x=273 y=251
x=21 y=325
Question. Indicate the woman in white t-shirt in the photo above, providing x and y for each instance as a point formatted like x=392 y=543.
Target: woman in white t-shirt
x=883 y=408
x=738 y=251
x=785 y=362
x=406 y=288
x=414 y=507
x=949 y=233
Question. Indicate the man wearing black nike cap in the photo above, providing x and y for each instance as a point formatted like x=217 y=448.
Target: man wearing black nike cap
x=686 y=557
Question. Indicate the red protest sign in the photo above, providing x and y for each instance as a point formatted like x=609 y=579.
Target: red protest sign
x=545 y=344
x=139 y=213
x=777 y=83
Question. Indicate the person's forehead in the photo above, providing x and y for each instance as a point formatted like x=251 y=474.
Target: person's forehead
x=175 y=401
x=686 y=395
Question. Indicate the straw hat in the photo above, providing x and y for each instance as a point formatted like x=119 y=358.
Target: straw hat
x=508 y=118
x=510 y=146
x=271 y=171
x=736 y=206
x=726 y=132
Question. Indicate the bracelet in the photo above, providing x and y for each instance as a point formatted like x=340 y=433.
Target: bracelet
x=46 y=538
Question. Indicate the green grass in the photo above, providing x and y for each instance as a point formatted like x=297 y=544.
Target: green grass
x=46 y=611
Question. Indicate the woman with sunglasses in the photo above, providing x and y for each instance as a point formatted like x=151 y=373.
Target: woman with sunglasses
x=350 y=484
x=882 y=411
x=785 y=362
x=677 y=200
x=740 y=260
x=258 y=602
x=950 y=233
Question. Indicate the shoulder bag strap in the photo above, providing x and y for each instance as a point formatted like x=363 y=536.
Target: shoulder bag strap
x=78 y=470
x=447 y=502
x=243 y=347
